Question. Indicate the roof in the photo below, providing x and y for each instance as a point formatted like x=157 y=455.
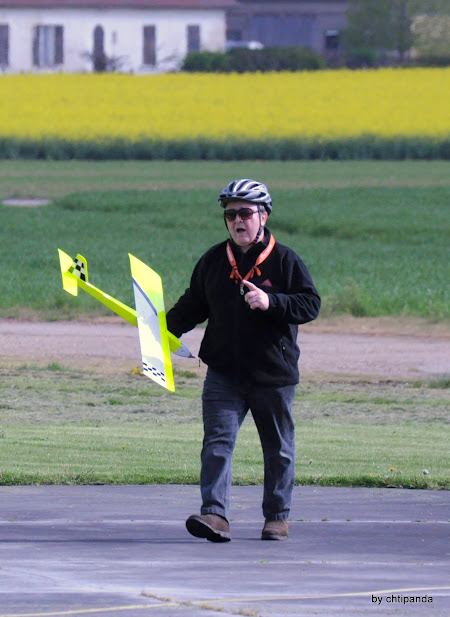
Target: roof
x=288 y=1
x=120 y=4
x=275 y=3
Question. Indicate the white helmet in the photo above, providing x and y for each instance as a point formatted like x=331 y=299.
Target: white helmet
x=246 y=190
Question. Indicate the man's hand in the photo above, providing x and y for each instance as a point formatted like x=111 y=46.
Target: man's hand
x=256 y=298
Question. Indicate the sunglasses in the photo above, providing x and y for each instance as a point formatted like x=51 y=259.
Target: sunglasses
x=244 y=213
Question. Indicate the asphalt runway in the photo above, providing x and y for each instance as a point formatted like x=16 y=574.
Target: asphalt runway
x=123 y=551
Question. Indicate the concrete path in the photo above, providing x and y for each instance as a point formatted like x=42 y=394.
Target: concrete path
x=123 y=551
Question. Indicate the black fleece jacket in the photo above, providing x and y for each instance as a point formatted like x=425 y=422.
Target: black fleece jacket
x=249 y=345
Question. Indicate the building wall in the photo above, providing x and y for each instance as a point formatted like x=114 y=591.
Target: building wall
x=123 y=35
x=286 y=24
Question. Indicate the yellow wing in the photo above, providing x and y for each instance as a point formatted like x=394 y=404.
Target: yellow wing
x=151 y=320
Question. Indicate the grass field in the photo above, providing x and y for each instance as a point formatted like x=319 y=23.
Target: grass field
x=375 y=237
x=65 y=426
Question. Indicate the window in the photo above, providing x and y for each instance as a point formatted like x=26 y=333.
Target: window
x=193 y=38
x=149 y=47
x=331 y=40
x=4 y=45
x=48 y=46
x=98 y=51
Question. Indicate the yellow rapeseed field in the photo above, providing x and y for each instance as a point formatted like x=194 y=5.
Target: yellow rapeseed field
x=324 y=104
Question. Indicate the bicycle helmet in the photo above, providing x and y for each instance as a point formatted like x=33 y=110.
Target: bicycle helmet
x=246 y=190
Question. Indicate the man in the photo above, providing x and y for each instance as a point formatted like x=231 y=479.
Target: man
x=251 y=352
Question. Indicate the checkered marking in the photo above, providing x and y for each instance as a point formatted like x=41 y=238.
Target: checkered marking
x=151 y=371
x=79 y=269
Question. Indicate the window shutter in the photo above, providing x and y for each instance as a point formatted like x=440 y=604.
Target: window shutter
x=36 y=34
x=149 y=50
x=193 y=38
x=4 y=44
x=59 y=45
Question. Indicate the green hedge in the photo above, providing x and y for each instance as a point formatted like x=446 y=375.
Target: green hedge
x=432 y=60
x=240 y=60
x=360 y=148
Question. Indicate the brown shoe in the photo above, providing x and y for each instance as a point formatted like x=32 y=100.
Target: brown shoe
x=275 y=530
x=210 y=526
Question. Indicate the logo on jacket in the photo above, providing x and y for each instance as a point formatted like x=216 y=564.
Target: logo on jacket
x=267 y=283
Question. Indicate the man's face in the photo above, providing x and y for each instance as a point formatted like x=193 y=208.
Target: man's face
x=243 y=231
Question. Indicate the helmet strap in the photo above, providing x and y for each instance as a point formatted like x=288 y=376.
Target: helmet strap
x=261 y=228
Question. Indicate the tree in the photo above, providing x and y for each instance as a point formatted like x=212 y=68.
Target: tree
x=398 y=25
x=380 y=25
x=431 y=30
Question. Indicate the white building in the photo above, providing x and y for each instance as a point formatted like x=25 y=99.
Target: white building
x=133 y=35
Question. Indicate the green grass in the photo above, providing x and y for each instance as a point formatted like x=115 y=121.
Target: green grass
x=347 y=455
x=375 y=237
x=59 y=178
x=73 y=427
x=372 y=250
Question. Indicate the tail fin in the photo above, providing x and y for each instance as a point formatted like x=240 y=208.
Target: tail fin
x=80 y=268
x=66 y=263
x=75 y=274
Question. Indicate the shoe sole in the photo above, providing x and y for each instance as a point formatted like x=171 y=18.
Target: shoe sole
x=200 y=529
x=273 y=537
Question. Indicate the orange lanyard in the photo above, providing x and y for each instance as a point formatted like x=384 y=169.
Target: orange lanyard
x=236 y=275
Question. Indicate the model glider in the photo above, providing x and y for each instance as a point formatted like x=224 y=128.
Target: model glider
x=155 y=340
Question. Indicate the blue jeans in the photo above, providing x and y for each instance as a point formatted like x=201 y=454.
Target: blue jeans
x=225 y=405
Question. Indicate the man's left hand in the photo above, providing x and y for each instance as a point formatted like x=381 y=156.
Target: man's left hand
x=256 y=298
